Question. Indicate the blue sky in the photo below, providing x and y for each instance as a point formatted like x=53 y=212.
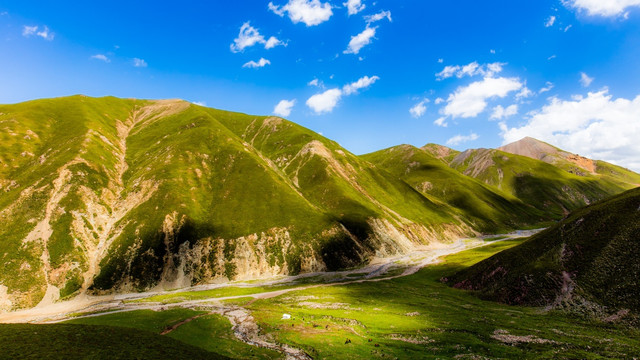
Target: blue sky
x=387 y=72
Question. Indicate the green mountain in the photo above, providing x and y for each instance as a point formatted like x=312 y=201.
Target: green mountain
x=589 y=262
x=425 y=169
x=553 y=187
x=103 y=194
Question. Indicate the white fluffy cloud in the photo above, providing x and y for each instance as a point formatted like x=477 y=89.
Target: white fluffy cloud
x=326 y=101
x=471 y=69
x=250 y=36
x=377 y=17
x=139 y=62
x=469 y=101
x=419 y=109
x=363 y=82
x=257 y=64
x=359 y=41
x=101 y=57
x=459 y=139
x=283 y=108
x=354 y=6
x=602 y=7
x=439 y=101
x=597 y=126
x=500 y=112
x=310 y=12
x=45 y=33
x=585 y=80
x=550 y=21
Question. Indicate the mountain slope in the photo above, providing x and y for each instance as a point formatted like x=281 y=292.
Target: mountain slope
x=591 y=257
x=489 y=209
x=104 y=194
x=549 y=188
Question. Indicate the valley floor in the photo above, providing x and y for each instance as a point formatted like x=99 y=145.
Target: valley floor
x=347 y=315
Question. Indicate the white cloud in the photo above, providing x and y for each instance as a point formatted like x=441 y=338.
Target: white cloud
x=440 y=61
x=101 y=57
x=459 y=139
x=492 y=51
x=45 y=33
x=250 y=36
x=550 y=21
x=418 y=109
x=547 y=87
x=283 y=108
x=471 y=100
x=377 y=17
x=354 y=6
x=439 y=101
x=608 y=8
x=139 y=62
x=585 y=80
x=442 y=121
x=315 y=82
x=524 y=93
x=199 y=103
x=471 y=69
x=363 y=82
x=359 y=41
x=500 y=113
x=260 y=63
x=273 y=42
x=567 y=28
x=324 y=102
x=596 y=126
x=552 y=57
x=310 y=12
x=29 y=30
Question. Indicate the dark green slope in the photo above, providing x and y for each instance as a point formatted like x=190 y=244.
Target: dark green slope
x=489 y=209
x=65 y=341
x=591 y=257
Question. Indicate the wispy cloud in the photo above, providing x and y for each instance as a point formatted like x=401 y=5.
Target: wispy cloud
x=419 y=109
x=250 y=36
x=45 y=33
x=471 y=69
x=260 y=63
x=361 y=40
x=585 y=80
x=550 y=21
x=459 y=139
x=326 y=101
x=377 y=17
x=101 y=57
x=139 y=63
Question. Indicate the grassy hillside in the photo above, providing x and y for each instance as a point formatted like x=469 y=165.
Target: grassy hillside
x=416 y=317
x=489 y=209
x=589 y=263
x=65 y=341
x=104 y=193
x=550 y=189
